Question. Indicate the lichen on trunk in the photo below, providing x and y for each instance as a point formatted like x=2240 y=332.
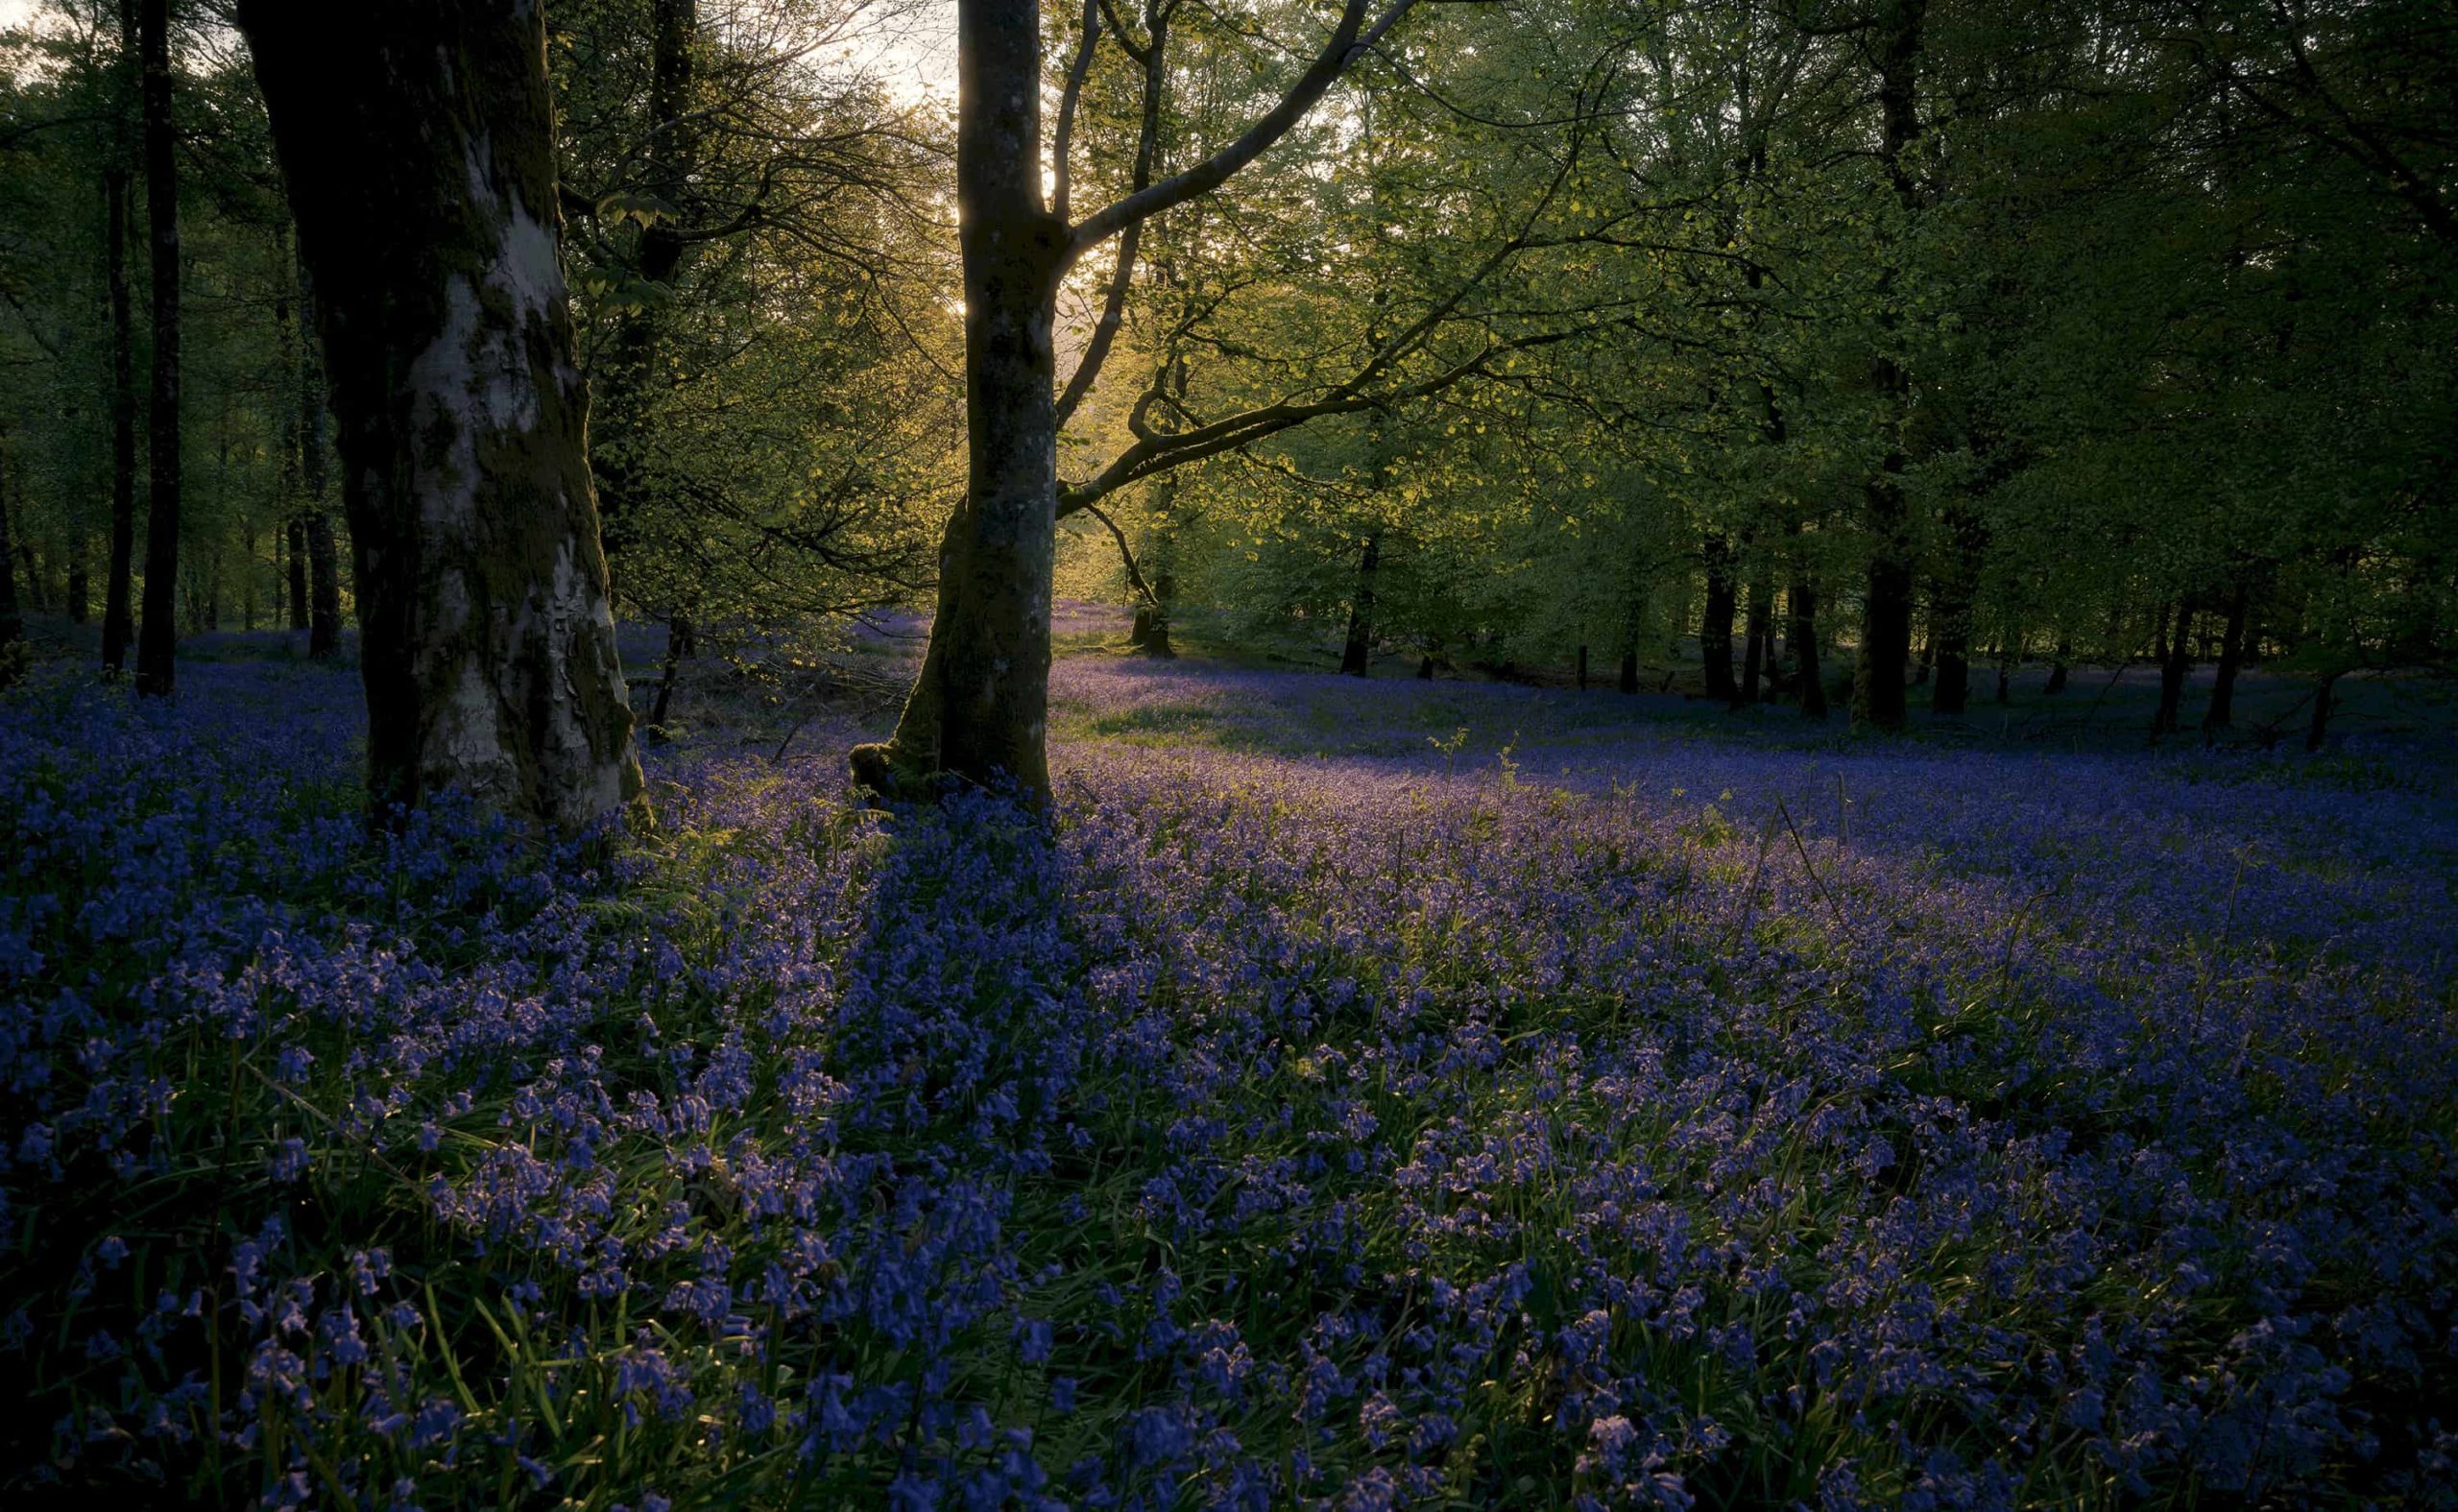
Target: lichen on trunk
x=487 y=634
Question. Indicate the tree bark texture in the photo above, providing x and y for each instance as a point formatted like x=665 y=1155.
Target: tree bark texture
x=419 y=149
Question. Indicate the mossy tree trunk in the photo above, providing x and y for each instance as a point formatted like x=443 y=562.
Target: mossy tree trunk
x=418 y=151
x=158 y=631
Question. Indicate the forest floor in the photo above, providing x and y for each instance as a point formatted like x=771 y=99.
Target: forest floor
x=1357 y=1094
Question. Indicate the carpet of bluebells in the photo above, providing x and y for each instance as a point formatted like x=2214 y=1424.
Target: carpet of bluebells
x=1355 y=1096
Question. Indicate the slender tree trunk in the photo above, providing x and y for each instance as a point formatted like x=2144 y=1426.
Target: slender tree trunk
x=1715 y=622
x=119 y=617
x=2056 y=667
x=315 y=516
x=12 y=624
x=2317 y=733
x=157 y=634
x=418 y=145
x=294 y=538
x=1425 y=669
x=325 y=594
x=1757 y=655
x=1583 y=669
x=678 y=645
x=1950 y=611
x=81 y=589
x=980 y=704
x=2174 y=661
x=2231 y=658
x=623 y=391
x=1165 y=596
x=36 y=598
x=290 y=489
x=1885 y=626
x=2010 y=655
x=1803 y=637
x=1358 y=650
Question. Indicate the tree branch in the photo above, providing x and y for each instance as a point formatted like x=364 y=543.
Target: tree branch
x=1346 y=45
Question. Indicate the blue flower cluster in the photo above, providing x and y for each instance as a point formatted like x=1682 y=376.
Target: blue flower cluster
x=1612 y=1116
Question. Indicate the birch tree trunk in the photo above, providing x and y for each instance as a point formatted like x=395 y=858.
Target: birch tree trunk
x=418 y=151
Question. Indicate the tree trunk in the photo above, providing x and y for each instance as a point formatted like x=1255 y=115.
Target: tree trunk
x=1165 y=596
x=1950 y=613
x=289 y=480
x=81 y=588
x=2317 y=732
x=678 y=645
x=119 y=619
x=1715 y=622
x=1756 y=650
x=1803 y=640
x=324 y=589
x=315 y=517
x=157 y=633
x=417 y=146
x=1356 y=652
x=626 y=379
x=1885 y=626
x=2231 y=658
x=294 y=538
x=980 y=705
x=1425 y=670
x=2057 y=666
x=12 y=624
x=1583 y=669
x=2174 y=661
